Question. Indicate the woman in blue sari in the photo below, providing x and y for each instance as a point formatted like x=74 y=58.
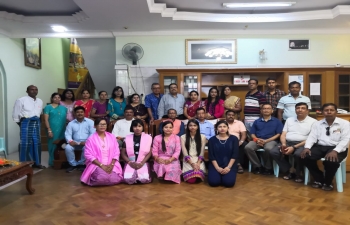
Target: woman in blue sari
x=116 y=104
x=55 y=122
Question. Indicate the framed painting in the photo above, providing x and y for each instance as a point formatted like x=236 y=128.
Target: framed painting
x=211 y=51
x=299 y=45
x=32 y=52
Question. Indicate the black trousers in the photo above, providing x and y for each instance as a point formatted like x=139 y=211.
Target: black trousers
x=318 y=152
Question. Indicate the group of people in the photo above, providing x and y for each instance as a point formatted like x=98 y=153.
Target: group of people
x=273 y=121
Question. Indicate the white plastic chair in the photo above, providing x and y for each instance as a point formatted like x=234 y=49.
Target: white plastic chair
x=340 y=175
x=2 y=146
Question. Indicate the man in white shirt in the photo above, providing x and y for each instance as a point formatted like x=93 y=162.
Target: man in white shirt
x=295 y=132
x=26 y=113
x=122 y=127
x=329 y=139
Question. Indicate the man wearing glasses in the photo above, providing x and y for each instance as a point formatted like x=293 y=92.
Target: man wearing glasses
x=152 y=101
x=329 y=139
x=172 y=100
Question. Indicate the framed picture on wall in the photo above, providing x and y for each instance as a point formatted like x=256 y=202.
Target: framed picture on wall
x=32 y=52
x=299 y=45
x=211 y=51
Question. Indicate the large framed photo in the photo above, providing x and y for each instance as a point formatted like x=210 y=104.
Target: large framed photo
x=32 y=52
x=299 y=45
x=211 y=51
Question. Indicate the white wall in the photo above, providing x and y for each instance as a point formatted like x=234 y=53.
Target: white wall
x=55 y=53
x=170 y=50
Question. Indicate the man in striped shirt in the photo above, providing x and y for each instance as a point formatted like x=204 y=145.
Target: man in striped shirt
x=253 y=100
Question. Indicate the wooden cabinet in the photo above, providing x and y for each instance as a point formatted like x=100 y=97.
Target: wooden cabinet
x=334 y=83
x=342 y=94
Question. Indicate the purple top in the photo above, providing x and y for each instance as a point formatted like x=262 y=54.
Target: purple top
x=101 y=109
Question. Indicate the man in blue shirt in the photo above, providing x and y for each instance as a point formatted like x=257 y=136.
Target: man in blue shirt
x=172 y=100
x=152 y=101
x=77 y=132
x=206 y=127
x=265 y=133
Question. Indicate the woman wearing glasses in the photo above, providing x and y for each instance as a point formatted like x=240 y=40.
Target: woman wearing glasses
x=102 y=158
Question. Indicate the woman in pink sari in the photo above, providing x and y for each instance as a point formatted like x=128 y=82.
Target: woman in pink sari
x=102 y=155
x=166 y=150
x=136 y=151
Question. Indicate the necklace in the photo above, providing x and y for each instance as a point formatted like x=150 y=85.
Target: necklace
x=137 y=109
x=222 y=142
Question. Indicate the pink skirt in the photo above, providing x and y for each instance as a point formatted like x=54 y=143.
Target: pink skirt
x=172 y=171
x=100 y=178
x=143 y=175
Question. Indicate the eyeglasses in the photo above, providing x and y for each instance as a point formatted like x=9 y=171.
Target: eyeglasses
x=327 y=132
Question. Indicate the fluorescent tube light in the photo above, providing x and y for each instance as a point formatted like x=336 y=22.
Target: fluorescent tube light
x=258 y=4
x=59 y=28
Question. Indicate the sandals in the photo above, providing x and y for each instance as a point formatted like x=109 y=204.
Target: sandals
x=299 y=179
x=240 y=169
x=289 y=176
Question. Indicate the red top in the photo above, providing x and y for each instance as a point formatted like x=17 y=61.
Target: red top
x=219 y=109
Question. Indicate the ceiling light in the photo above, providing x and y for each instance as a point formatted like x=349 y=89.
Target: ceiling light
x=258 y=4
x=59 y=28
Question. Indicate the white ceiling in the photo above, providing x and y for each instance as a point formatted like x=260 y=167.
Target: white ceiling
x=107 y=18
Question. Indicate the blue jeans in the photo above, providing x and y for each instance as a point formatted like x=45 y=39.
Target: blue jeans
x=248 y=125
x=71 y=156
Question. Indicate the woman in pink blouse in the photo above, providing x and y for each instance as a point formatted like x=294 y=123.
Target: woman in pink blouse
x=166 y=150
x=214 y=105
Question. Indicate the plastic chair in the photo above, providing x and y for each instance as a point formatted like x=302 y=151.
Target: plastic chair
x=340 y=175
x=261 y=159
x=2 y=146
x=276 y=167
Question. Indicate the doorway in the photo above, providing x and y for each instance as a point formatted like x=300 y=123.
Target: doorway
x=3 y=108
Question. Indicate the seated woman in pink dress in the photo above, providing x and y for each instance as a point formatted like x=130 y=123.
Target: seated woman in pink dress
x=136 y=151
x=166 y=150
x=102 y=155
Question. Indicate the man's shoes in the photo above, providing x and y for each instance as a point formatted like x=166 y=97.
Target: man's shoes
x=316 y=185
x=267 y=172
x=258 y=170
x=39 y=166
x=327 y=187
x=81 y=168
x=71 y=169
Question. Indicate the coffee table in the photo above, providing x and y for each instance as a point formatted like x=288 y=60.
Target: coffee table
x=12 y=173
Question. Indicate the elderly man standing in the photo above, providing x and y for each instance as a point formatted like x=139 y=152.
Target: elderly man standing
x=295 y=132
x=172 y=100
x=26 y=113
x=152 y=101
x=329 y=139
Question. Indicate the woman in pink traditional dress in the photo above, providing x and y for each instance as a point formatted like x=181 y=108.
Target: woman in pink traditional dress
x=192 y=105
x=86 y=102
x=166 y=150
x=136 y=151
x=102 y=155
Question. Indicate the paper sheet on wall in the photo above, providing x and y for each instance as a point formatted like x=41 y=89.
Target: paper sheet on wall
x=315 y=89
x=297 y=78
